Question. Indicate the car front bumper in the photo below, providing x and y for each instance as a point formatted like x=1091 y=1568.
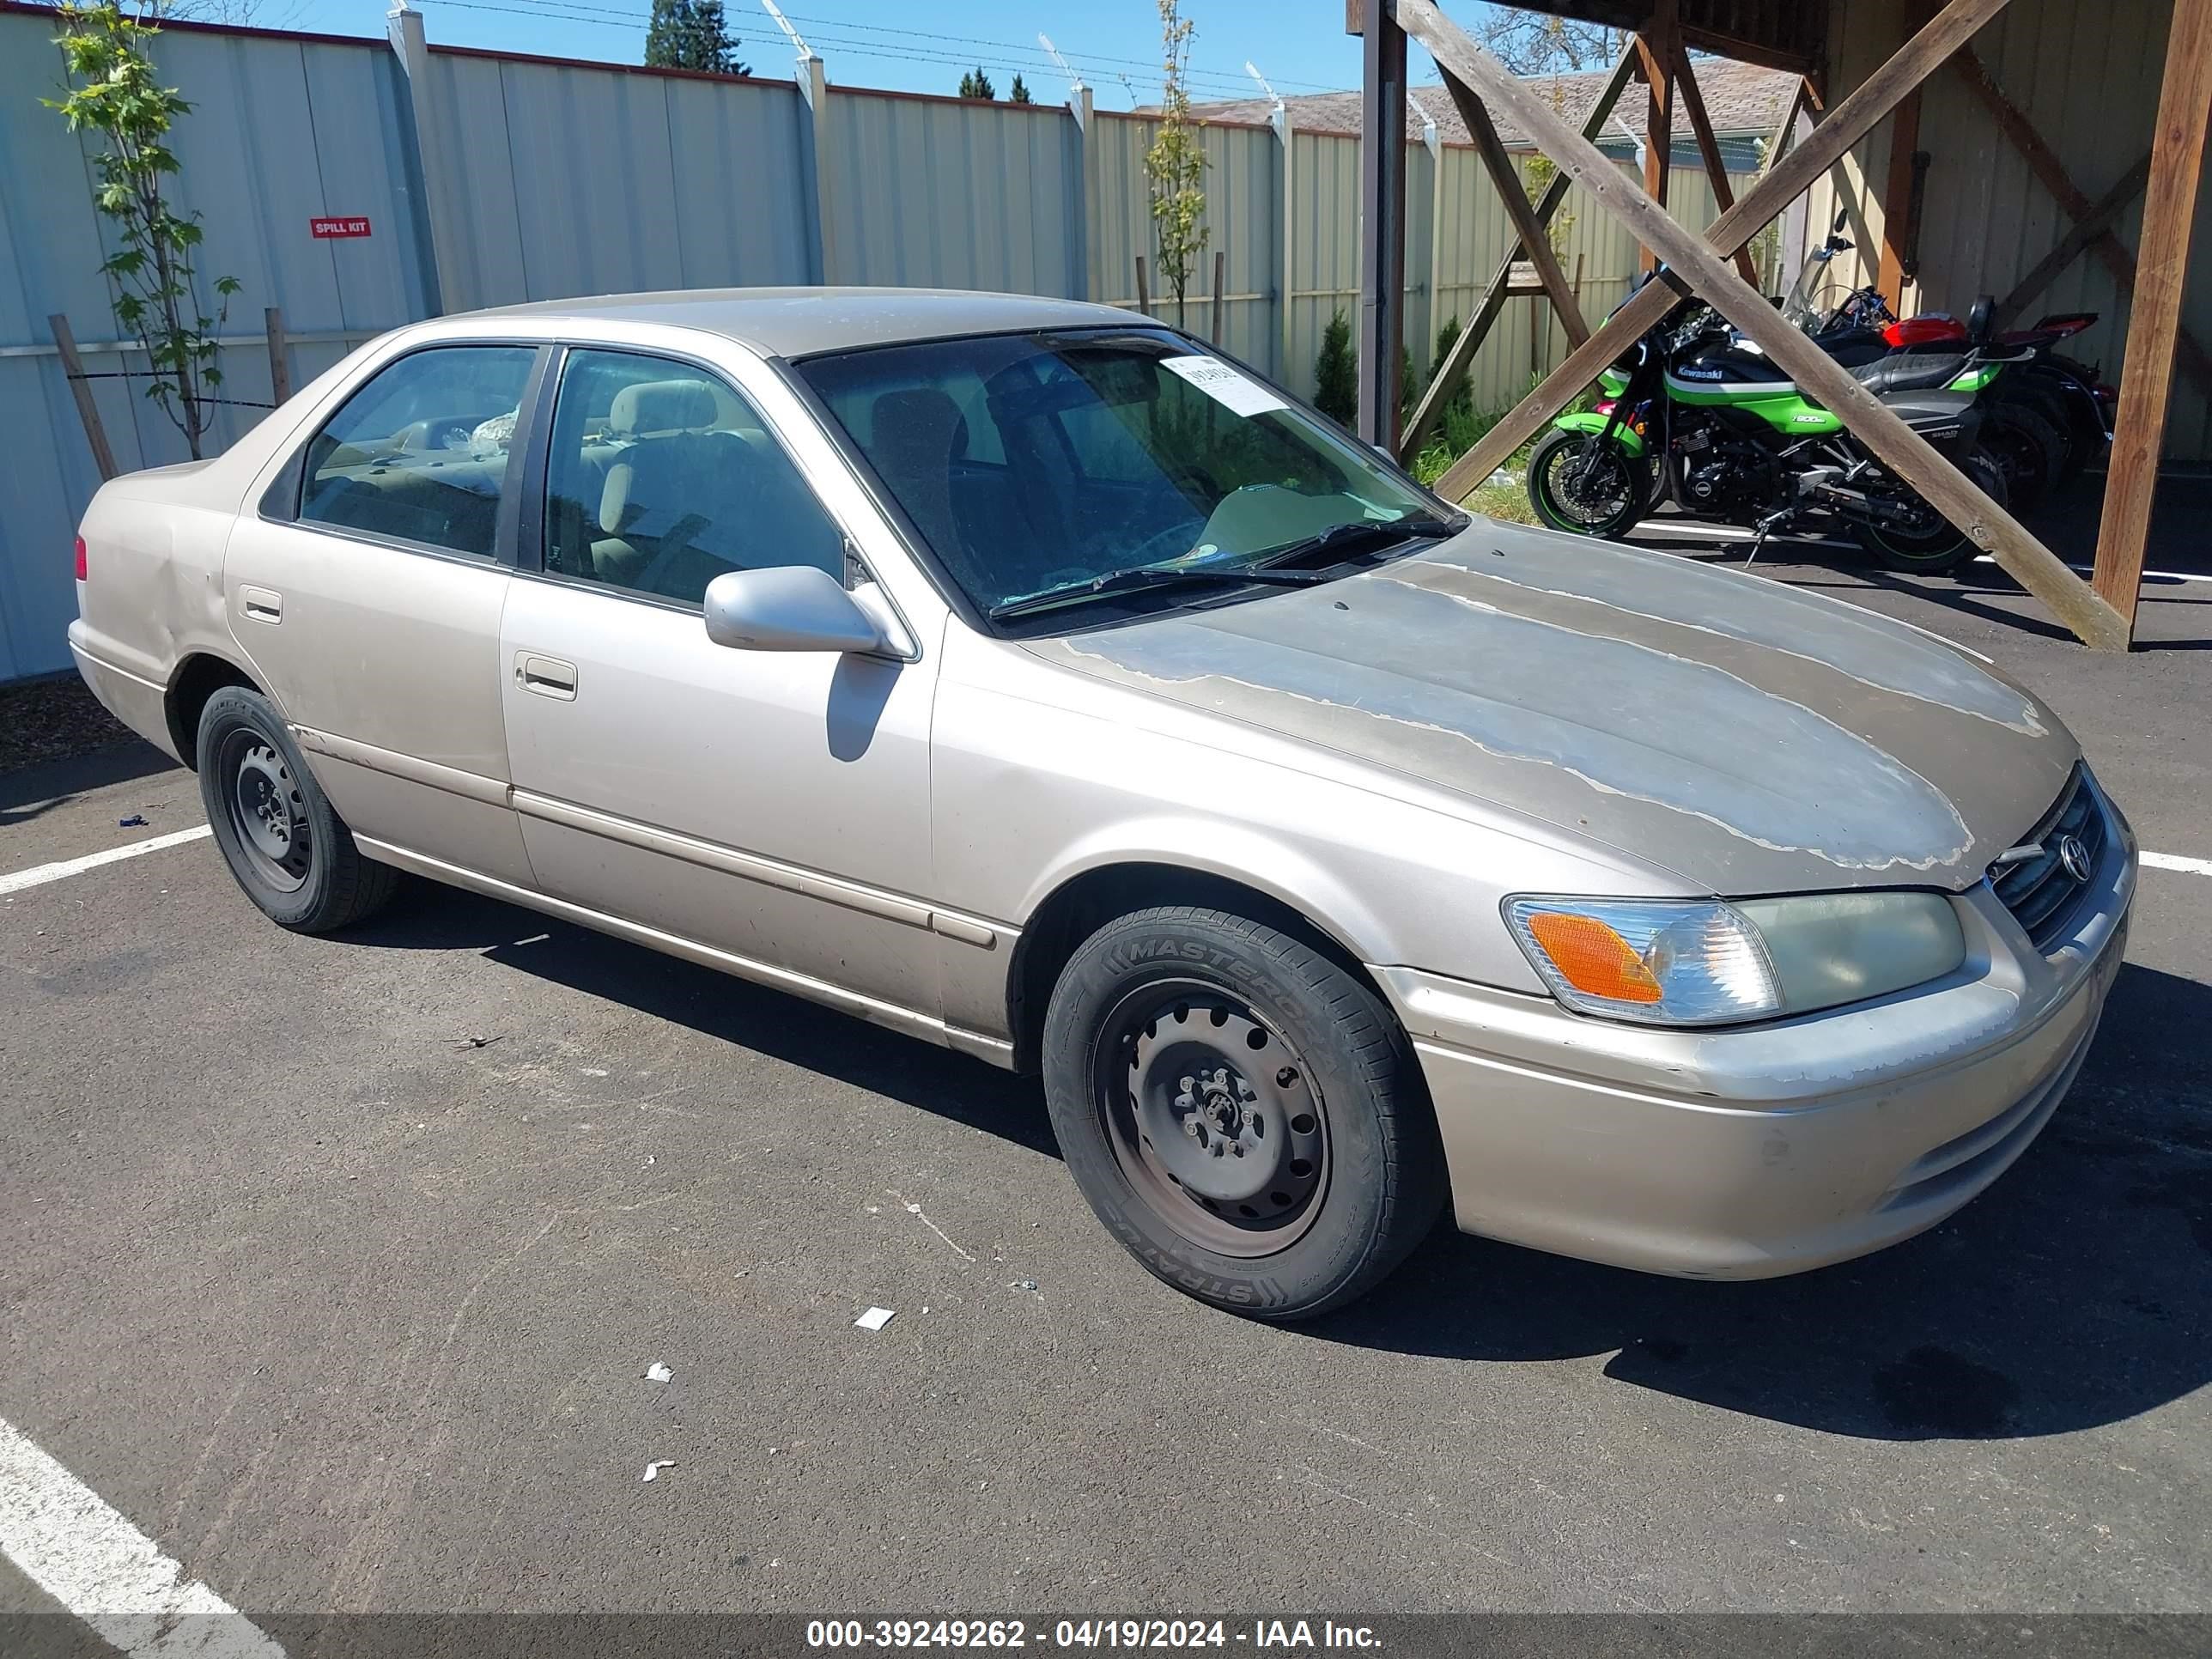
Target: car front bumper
x=1773 y=1149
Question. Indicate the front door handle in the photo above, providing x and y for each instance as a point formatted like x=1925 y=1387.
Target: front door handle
x=548 y=676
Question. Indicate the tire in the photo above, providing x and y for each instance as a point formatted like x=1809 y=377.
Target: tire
x=285 y=845
x=1306 y=1112
x=1619 y=495
x=1940 y=549
x=2032 y=451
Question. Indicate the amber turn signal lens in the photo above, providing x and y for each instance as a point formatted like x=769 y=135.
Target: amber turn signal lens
x=1593 y=958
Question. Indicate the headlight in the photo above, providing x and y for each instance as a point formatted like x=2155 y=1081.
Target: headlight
x=1700 y=962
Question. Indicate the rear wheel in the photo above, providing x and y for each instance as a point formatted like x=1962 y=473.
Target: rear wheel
x=1586 y=486
x=1926 y=543
x=284 y=844
x=1243 y=1114
x=2030 y=449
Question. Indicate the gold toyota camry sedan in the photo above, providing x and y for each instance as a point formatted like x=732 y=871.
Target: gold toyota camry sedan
x=1029 y=677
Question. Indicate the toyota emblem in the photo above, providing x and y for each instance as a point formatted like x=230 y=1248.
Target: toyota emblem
x=2075 y=856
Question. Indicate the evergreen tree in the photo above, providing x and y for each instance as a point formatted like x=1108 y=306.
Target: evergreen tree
x=1336 y=375
x=1461 y=401
x=691 y=34
x=1019 y=93
x=976 y=84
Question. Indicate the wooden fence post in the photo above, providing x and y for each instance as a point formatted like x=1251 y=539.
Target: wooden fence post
x=280 y=370
x=81 y=389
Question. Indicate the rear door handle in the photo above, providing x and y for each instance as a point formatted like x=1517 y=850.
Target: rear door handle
x=548 y=676
x=261 y=604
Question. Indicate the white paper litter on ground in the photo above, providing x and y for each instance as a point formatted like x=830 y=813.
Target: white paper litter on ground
x=875 y=1319
x=652 y=1469
x=657 y=1372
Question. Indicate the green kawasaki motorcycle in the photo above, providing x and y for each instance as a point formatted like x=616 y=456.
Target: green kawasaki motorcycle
x=1699 y=415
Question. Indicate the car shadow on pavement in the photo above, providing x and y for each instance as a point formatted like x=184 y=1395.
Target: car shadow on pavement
x=791 y=1029
x=2076 y=1292
x=34 y=791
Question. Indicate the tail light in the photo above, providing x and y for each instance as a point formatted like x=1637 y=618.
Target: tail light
x=1935 y=329
x=80 y=558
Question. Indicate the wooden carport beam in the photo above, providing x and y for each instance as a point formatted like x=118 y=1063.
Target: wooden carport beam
x=1535 y=238
x=1817 y=374
x=2043 y=161
x=1781 y=183
x=1452 y=371
x=2184 y=108
x=1658 y=43
x=2102 y=214
x=1693 y=106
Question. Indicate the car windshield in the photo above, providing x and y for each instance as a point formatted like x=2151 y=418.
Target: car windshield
x=1044 y=469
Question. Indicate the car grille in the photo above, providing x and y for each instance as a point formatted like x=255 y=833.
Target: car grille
x=2038 y=890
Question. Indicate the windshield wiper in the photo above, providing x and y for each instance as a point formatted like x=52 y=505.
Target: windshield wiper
x=1131 y=581
x=1342 y=538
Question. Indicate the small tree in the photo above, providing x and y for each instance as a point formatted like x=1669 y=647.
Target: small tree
x=156 y=286
x=1533 y=43
x=1176 y=164
x=691 y=34
x=1019 y=93
x=976 y=84
x=1336 y=376
x=1461 y=401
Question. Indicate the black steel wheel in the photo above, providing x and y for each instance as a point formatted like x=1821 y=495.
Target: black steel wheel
x=1243 y=1114
x=268 y=811
x=1587 y=487
x=1215 y=1115
x=285 y=844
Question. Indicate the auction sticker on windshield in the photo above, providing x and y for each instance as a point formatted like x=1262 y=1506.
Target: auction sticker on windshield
x=1222 y=383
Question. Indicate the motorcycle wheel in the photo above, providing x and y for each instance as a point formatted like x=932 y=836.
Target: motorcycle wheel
x=2032 y=451
x=1586 y=489
x=1938 y=548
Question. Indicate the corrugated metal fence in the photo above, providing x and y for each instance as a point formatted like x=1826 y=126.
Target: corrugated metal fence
x=488 y=180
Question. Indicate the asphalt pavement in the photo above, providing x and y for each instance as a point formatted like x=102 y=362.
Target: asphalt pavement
x=337 y=1265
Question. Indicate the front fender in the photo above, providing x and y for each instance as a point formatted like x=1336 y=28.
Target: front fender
x=1589 y=421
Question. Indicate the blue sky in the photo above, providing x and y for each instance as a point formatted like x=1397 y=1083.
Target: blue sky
x=1299 y=45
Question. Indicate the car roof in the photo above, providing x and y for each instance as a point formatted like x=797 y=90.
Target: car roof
x=796 y=322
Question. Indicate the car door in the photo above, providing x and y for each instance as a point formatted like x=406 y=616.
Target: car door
x=365 y=591
x=771 y=805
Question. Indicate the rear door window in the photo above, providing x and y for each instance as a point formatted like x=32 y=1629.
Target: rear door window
x=420 y=452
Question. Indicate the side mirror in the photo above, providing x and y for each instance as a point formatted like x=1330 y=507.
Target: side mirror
x=799 y=607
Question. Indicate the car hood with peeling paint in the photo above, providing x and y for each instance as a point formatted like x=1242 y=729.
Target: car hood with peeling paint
x=1748 y=737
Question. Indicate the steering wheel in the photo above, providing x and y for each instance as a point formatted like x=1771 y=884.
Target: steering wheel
x=1161 y=546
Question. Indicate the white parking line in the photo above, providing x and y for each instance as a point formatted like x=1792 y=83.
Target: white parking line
x=39 y=874
x=92 y=1561
x=2173 y=862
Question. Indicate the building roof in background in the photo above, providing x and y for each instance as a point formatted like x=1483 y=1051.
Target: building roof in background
x=1740 y=98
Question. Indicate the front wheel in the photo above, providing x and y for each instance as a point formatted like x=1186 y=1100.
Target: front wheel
x=283 y=841
x=1245 y=1116
x=1586 y=486
x=1926 y=543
